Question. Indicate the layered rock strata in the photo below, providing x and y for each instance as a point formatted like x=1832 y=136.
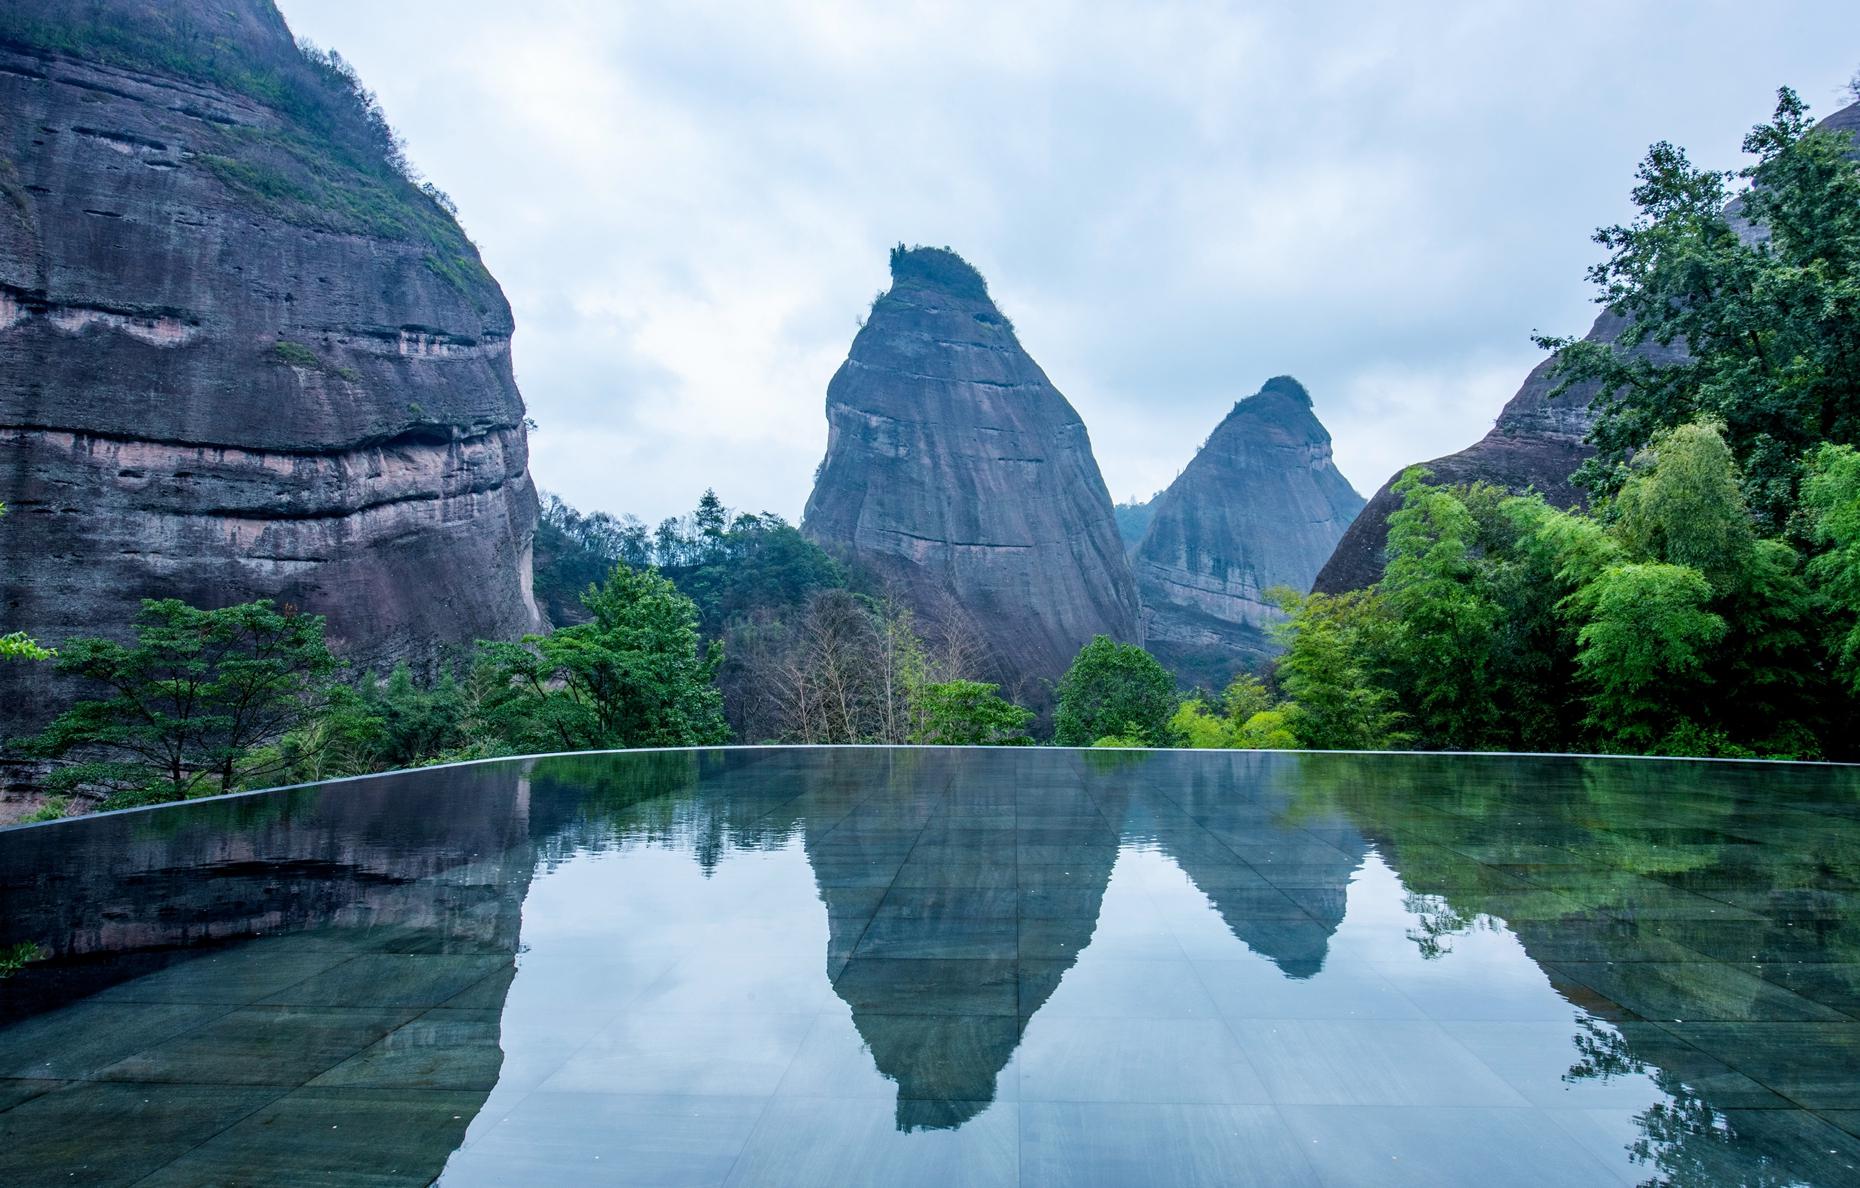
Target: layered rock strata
x=957 y=475
x=241 y=354
x=1261 y=505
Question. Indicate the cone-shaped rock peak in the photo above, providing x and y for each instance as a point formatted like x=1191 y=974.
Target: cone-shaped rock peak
x=1260 y=505
x=958 y=476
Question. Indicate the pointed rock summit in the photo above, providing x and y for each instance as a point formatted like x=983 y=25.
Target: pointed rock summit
x=1261 y=505
x=957 y=474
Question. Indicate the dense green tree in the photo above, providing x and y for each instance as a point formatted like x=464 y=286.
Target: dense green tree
x=1243 y=718
x=1439 y=596
x=1831 y=497
x=1681 y=503
x=1643 y=651
x=194 y=704
x=1337 y=699
x=1769 y=324
x=636 y=675
x=711 y=519
x=761 y=563
x=381 y=724
x=1114 y=689
x=968 y=714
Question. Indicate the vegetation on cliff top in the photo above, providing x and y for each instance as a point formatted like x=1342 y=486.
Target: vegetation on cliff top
x=333 y=161
x=940 y=268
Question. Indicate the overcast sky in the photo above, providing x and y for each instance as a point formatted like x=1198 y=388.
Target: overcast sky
x=689 y=204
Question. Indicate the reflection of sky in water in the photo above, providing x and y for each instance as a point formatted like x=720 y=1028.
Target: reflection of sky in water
x=984 y=967
x=718 y=990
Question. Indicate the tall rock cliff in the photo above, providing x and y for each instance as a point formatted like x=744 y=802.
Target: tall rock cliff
x=1261 y=505
x=241 y=354
x=956 y=473
x=1538 y=442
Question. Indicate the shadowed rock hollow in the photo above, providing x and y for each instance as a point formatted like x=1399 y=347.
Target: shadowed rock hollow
x=1260 y=505
x=241 y=355
x=957 y=474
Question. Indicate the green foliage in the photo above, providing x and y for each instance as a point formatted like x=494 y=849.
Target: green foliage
x=1196 y=725
x=54 y=808
x=1681 y=502
x=1642 y=650
x=1245 y=719
x=1662 y=623
x=1831 y=497
x=636 y=675
x=730 y=565
x=399 y=721
x=1444 y=611
x=14 y=958
x=969 y=714
x=1114 y=689
x=1337 y=700
x=1268 y=730
x=193 y=704
x=296 y=354
x=17 y=645
x=1767 y=323
x=1126 y=741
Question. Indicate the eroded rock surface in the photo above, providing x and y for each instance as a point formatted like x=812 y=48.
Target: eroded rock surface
x=240 y=355
x=957 y=473
x=1261 y=505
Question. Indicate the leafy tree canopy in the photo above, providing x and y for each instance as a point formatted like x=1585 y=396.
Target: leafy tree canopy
x=1114 y=689
x=188 y=708
x=1762 y=297
x=968 y=714
x=636 y=675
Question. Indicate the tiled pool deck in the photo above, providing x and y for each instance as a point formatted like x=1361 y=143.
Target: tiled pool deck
x=943 y=967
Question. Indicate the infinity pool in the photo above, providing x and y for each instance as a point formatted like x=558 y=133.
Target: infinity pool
x=946 y=967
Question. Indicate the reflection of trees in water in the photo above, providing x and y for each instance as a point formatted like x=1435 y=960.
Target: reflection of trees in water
x=710 y=803
x=1684 y=1141
x=1437 y=922
x=1588 y=855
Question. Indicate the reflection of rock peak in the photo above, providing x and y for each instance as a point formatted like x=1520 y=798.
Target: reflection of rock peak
x=941 y=1037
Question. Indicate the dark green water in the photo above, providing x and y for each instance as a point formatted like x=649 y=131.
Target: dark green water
x=941 y=967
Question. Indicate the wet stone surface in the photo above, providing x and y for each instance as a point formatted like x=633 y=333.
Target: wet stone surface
x=857 y=966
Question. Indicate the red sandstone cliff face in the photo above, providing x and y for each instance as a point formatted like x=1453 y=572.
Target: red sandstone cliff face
x=240 y=355
x=957 y=472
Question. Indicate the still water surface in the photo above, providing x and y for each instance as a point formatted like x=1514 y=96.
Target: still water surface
x=944 y=967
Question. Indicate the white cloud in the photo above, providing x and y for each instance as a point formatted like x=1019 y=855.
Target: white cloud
x=688 y=203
